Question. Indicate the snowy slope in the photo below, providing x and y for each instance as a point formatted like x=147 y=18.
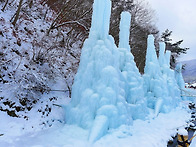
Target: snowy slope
x=35 y=69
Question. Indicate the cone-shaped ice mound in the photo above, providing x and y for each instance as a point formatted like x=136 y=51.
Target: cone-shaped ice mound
x=98 y=98
x=134 y=81
x=172 y=93
x=151 y=56
x=173 y=87
x=158 y=79
x=152 y=76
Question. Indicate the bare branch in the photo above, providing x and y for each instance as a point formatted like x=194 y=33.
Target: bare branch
x=72 y=22
x=5 y=5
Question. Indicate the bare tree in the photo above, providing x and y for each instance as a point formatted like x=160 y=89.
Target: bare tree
x=72 y=13
x=5 y=5
x=76 y=14
x=17 y=13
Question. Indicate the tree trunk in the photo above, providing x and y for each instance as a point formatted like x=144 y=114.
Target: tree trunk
x=5 y=5
x=17 y=13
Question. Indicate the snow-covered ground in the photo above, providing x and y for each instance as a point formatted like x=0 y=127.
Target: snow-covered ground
x=153 y=132
x=107 y=96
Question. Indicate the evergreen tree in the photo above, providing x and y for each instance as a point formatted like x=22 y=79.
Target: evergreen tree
x=175 y=48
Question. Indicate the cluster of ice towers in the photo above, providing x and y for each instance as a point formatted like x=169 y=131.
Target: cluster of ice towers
x=108 y=90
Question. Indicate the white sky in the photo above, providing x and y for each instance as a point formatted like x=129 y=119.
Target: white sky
x=178 y=16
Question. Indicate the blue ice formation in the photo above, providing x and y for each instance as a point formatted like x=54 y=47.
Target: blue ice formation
x=180 y=80
x=133 y=79
x=162 y=58
x=178 y=75
x=172 y=93
x=153 y=81
x=100 y=20
x=108 y=90
x=98 y=97
x=160 y=86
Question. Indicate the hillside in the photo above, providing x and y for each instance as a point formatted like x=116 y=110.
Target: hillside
x=189 y=73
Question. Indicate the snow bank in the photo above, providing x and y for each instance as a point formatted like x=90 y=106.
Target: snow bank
x=149 y=133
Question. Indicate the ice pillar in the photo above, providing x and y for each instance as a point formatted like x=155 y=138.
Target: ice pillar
x=151 y=57
x=153 y=78
x=167 y=58
x=178 y=75
x=124 y=30
x=161 y=53
x=100 y=19
x=98 y=98
x=132 y=78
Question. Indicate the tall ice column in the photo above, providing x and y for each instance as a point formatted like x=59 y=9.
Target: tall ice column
x=124 y=30
x=100 y=19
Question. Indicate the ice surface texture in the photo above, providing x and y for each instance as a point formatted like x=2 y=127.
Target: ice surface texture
x=98 y=96
x=100 y=19
x=133 y=80
x=179 y=77
x=161 y=89
x=108 y=89
x=152 y=76
x=172 y=92
x=180 y=80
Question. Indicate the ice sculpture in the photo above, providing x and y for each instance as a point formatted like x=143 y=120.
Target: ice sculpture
x=173 y=87
x=100 y=19
x=162 y=60
x=108 y=90
x=178 y=75
x=133 y=80
x=172 y=93
x=152 y=77
x=98 y=98
x=180 y=80
x=155 y=86
x=125 y=23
